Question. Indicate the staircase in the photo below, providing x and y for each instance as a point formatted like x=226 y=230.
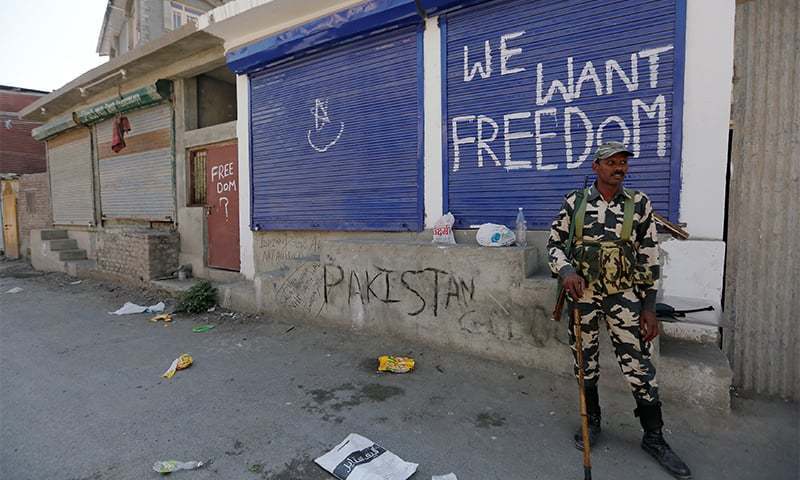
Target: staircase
x=55 y=251
x=66 y=248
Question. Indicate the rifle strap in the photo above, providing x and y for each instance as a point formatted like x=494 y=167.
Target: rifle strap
x=627 y=216
x=580 y=213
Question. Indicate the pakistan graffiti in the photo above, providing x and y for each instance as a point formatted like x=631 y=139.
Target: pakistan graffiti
x=491 y=140
x=430 y=288
x=320 y=133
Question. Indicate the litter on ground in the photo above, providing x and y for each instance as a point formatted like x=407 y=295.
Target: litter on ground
x=76 y=282
x=170 y=466
x=130 y=308
x=359 y=458
x=184 y=361
x=390 y=363
x=449 y=476
x=164 y=317
x=203 y=328
x=14 y=290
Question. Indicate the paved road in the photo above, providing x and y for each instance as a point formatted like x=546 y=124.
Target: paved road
x=82 y=399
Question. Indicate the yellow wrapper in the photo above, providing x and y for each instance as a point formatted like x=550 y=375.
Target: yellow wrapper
x=390 y=363
x=166 y=317
x=184 y=361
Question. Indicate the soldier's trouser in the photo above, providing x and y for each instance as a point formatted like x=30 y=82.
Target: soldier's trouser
x=621 y=314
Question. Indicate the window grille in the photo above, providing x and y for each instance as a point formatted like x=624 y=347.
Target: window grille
x=197 y=174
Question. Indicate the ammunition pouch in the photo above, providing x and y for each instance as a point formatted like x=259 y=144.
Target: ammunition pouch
x=612 y=263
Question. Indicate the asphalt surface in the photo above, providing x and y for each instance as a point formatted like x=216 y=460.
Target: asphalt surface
x=82 y=398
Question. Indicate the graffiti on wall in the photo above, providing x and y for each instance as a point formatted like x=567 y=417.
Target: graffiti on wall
x=321 y=139
x=224 y=185
x=429 y=288
x=491 y=140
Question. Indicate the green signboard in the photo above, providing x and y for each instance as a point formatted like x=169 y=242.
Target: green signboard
x=142 y=97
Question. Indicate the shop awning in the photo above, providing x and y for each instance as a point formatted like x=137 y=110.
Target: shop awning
x=149 y=95
x=342 y=25
x=55 y=126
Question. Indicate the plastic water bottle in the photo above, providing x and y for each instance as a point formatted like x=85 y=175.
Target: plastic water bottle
x=522 y=229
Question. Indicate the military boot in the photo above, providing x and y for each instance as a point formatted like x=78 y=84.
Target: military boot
x=593 y=412
x=653 y=441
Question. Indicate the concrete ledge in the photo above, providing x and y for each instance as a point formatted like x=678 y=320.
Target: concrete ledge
x=691 y=332
x=208 y=135
x=239 y=296
x=696 y=374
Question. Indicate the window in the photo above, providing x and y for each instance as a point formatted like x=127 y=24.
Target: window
x=181 y=15
x=197 y=178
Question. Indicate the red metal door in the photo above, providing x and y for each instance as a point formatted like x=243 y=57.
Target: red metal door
x=222 y=180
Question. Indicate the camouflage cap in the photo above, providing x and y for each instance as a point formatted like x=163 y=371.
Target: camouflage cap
x=610 y=148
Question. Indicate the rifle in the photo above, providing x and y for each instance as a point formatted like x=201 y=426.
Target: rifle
x=675 y=230
x=562 y=292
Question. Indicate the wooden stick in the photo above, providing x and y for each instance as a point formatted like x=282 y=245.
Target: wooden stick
x=587 y=460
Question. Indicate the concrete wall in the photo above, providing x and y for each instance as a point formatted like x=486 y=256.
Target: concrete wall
x=466 y=297
x=216 y=101
x=695 y=268
x=762 y=298
x=33 y=207
x=246 y=237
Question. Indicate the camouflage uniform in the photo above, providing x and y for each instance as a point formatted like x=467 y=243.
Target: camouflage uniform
x=617 y=292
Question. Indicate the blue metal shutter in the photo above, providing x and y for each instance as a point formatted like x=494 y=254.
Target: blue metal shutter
x=556 y=34
x=336 y=138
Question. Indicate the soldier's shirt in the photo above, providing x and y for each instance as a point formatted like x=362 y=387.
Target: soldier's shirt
x=603 y=222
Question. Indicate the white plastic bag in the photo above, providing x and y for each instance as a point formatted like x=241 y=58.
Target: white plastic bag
x=443 y=229
x=359 y=458
x=493 y=235
x=130 y=308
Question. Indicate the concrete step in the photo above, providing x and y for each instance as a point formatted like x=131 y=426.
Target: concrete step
x=691 y=332
x=223 y=276
x=81 y=268
x=76 y=254
x=174 y=286
x=54 y=234
x=239 y=296
x=63 y=244
x=698 y=374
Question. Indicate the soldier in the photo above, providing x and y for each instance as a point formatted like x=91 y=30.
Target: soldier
x=611 y=276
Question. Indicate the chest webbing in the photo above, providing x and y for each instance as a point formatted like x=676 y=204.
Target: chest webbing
x=627 y=216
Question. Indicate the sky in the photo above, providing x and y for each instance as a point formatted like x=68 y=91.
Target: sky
x=44 y=44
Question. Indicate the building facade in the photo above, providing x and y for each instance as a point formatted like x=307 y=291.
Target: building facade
x=20 y=156
x=128 y=24
x=311 y=179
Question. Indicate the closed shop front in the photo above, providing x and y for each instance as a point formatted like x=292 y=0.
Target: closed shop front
x=533 y=87
x=136 y=182
x=69 y=157
x=336 y=135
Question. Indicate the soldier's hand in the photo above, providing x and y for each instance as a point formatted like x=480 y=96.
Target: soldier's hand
x=574 y=285
x=648 y=325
